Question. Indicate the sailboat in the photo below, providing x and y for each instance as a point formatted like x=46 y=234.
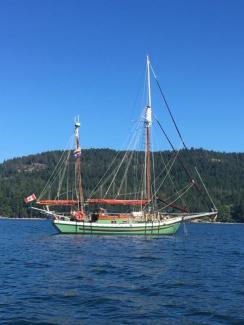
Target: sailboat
x=135 y=205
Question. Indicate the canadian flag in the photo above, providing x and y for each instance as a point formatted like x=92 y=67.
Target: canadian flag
x=30 y=198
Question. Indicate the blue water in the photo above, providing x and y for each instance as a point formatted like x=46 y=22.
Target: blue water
x=47 y=278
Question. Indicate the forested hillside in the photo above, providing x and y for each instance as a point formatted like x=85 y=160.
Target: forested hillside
x=223 y=174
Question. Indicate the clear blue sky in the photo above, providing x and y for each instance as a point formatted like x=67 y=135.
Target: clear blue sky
x=60 y=58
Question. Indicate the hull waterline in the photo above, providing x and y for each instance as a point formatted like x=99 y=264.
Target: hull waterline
x=94 y=228
x=164 y=227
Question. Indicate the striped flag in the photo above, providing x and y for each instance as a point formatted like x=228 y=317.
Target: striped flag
x=77 y=153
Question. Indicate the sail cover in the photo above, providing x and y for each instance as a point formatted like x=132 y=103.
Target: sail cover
x=118 y=202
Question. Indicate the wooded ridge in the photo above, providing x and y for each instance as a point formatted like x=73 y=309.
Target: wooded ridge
x=223 y=174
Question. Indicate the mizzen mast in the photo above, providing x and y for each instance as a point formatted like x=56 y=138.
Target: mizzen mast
x=148 y=123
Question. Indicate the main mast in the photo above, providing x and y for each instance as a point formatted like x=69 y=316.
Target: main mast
x=148 y=123
x=77 y=155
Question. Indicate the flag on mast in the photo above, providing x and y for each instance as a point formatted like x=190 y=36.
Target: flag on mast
x=30 y=198
x=77 y=153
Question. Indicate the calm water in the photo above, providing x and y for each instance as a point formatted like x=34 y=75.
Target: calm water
x=47 y=278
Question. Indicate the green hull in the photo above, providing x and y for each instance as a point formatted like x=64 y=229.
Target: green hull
x=108 y=229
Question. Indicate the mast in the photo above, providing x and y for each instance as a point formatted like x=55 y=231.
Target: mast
x=77 y=155
x=148 y=123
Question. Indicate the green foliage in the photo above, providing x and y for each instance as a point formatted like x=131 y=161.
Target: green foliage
x=238 y=212
x=224 y=213
x=223 y=174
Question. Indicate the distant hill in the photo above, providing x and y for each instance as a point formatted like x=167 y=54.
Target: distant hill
x=223 y=173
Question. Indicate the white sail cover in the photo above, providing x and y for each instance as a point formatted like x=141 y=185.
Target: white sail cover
x=148 y=116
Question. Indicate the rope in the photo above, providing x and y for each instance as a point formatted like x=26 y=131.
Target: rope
x=168 y=205
x=56 y=171
x=63 y=174
x=168 y=108
x=172 y=182
x=181 y=162
x=107 y=175
x=173 y=148
x=116 y=173
x=208 y=194
x=167 y=174
x=125 y=174
x=185 y=229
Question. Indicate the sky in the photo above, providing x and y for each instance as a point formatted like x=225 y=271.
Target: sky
x=62 y=58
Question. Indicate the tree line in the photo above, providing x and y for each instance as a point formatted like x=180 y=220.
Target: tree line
x=222 y=173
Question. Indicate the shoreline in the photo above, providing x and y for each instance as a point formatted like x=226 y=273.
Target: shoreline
x=216 y=222
x=15 y=218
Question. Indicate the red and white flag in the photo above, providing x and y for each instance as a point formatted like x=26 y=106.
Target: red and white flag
x=30 y=198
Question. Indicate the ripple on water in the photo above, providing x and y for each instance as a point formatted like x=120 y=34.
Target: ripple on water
x=55 y=279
